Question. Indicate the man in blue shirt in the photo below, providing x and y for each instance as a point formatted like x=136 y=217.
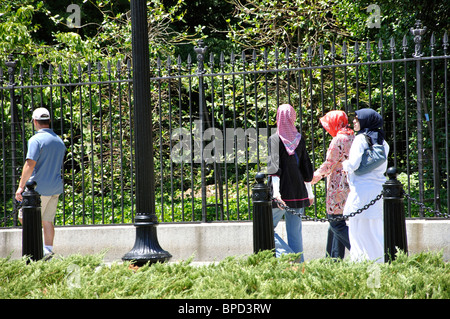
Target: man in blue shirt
x=43 y=164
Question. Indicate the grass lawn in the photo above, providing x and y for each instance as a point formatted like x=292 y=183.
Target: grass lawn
x=259 y=276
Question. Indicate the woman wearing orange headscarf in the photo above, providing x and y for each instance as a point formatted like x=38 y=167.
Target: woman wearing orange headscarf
x=336 y=124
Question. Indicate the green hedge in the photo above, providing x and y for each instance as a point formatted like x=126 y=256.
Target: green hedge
x=418 y=276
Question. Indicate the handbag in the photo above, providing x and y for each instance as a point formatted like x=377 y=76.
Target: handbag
x=372 y=157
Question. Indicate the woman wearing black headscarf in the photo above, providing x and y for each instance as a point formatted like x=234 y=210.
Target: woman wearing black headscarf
x=366 y=229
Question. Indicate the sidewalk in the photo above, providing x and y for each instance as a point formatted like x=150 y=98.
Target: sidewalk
x=208 y=242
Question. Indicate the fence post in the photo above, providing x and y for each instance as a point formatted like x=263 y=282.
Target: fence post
x=418 y=31
x=11 y=64
x=201 y=51
x=393 y=216
x=263 y=233
x=32 y=223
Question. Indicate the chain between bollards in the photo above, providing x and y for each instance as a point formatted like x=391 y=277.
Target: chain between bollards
x=393 y=216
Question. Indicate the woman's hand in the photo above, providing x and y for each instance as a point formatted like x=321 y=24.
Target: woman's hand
x=315 y=179
x=280 y=202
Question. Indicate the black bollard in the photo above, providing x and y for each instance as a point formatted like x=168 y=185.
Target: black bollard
x=263 y=233
x=32 y=223
x=394 y=216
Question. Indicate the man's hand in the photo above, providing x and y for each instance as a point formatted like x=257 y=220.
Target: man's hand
x=27 y=171
x=19 y=192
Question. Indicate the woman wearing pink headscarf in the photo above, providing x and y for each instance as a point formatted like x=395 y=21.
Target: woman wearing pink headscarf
x=289 y=169
x=336 y=124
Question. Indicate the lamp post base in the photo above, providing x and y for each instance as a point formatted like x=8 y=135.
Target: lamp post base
x=146 y=247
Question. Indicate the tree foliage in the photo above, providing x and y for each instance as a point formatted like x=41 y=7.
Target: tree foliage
x=37 y=33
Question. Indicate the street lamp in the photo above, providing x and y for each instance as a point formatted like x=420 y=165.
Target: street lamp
x=146 y=247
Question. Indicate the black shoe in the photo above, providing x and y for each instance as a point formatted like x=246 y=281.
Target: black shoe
x=48 y=256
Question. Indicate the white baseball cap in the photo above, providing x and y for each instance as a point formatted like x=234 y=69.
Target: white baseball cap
x=41 y=114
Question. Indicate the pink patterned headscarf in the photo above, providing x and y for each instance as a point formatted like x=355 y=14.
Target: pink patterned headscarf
x=286 y=127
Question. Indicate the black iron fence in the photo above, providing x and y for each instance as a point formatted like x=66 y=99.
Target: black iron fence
x=91 y=111
x=211 y=120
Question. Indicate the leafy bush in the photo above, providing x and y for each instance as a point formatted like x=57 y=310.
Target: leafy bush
x=258 y=276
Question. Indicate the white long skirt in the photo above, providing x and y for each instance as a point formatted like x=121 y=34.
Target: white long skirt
x=366 y=239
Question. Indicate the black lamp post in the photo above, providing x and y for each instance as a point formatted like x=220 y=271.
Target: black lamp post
x=146 y=247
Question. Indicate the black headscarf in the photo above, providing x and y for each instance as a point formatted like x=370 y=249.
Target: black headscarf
x=371 y=124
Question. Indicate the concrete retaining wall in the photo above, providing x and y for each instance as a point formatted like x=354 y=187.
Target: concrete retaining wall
x=209 y=241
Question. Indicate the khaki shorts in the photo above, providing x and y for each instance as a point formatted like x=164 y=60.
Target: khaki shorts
x=48 y=208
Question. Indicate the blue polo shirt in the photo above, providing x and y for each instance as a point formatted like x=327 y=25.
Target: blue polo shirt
x=48 y=150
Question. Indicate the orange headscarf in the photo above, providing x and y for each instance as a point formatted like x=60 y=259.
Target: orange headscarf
x=336 y=122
